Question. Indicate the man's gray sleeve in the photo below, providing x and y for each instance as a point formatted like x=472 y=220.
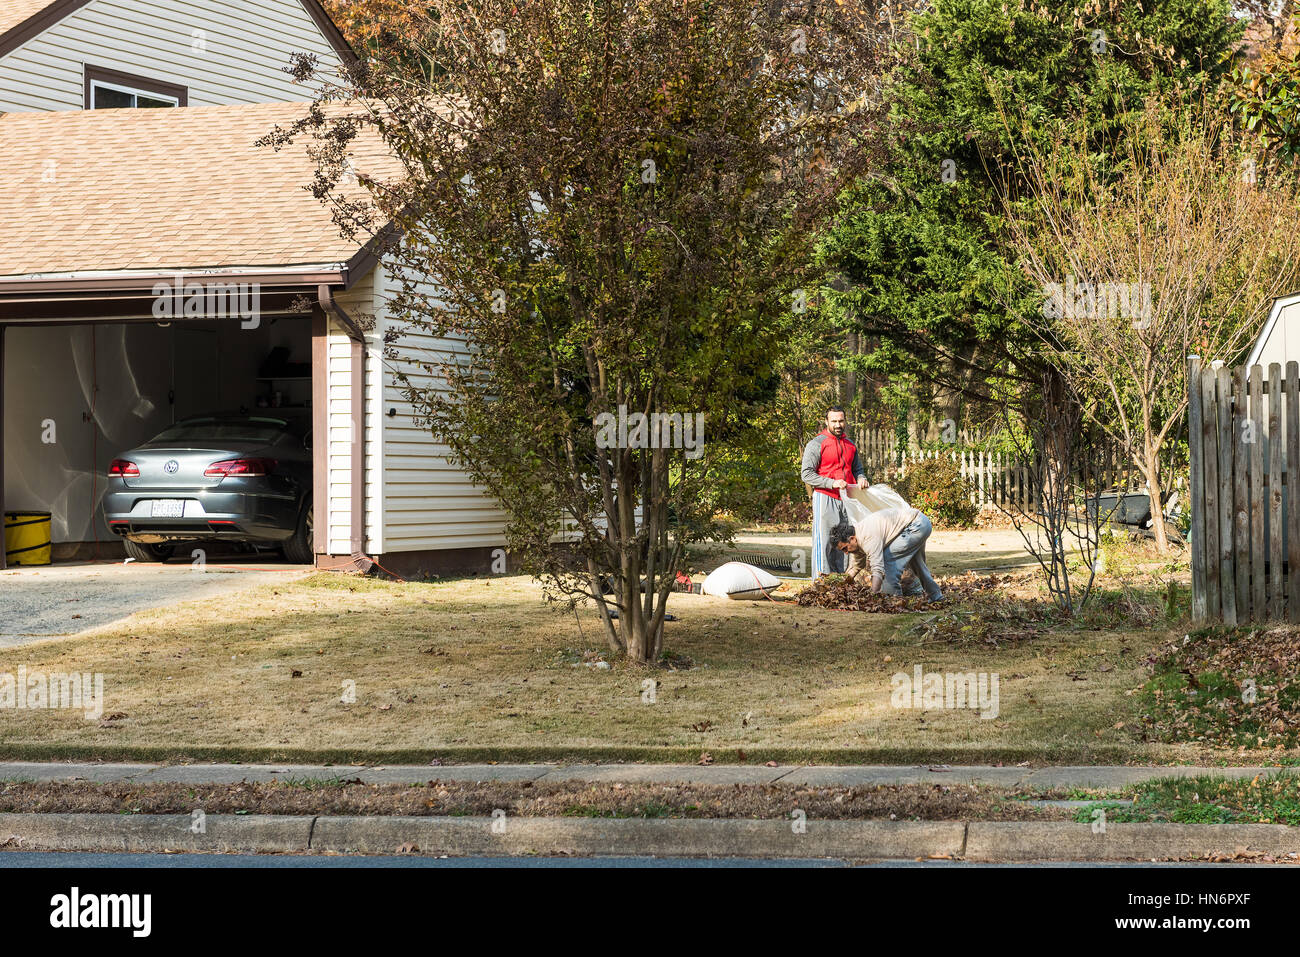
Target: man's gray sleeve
x=812 y=457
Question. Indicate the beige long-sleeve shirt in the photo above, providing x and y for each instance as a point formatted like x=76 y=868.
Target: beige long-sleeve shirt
x=874 y=533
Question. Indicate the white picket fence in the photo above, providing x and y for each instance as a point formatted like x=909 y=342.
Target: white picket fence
x=995 y=478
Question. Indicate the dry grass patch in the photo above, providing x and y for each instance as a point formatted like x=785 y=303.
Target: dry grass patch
x=485 y=663
x=927 y=802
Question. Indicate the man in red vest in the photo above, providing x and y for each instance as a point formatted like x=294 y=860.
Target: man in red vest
x=830 y=463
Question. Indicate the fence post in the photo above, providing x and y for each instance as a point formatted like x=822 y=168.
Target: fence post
x=1258 y=582
x=1225 y=558
x=1210 y=475
x=1210 y=483
x=1196 y=455
x=999 y=490
x=1241 y=492
x=1292 y=503
x=1276 y=600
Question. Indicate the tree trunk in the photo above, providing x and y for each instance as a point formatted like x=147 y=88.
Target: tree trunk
x=850 y=398
x=946 y=409
x=1059 y=426
x=1151 y=472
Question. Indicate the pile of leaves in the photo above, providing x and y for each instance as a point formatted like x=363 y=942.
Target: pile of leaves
x=834 y=591
x=1231 y=687
x=994 y=618
x=989 y=620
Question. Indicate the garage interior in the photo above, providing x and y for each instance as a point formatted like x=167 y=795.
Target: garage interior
x=78 y=394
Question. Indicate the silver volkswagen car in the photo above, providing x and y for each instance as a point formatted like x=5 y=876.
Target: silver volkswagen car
x=237 y=477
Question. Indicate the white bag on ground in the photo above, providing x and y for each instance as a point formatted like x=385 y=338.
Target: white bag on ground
x=860 y=502
x=738 y=580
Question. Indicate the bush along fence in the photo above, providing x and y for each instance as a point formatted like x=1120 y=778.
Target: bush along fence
x=1244 y=427
x=994 y=478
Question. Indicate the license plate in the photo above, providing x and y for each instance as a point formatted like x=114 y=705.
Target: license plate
x=168 y=508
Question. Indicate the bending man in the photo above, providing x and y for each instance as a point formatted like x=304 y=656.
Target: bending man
x=888 y=542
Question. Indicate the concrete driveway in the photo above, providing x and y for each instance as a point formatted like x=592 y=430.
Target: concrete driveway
x=57 y=601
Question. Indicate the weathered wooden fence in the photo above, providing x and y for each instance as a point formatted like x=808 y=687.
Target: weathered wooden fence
x=1245 y=539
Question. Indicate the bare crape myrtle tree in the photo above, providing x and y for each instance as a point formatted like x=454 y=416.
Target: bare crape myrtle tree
x=1065 y=481
x=607 y=215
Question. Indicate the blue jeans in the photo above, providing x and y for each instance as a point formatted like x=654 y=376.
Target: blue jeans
x=908 y=551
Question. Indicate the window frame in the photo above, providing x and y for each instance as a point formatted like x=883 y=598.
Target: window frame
x=132 y=84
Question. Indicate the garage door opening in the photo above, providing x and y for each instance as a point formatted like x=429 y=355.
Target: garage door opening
x=80 y=397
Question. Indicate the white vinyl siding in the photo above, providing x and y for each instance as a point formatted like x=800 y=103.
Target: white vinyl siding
x=357 y=302
x=1280 y=340
x=245 y=46
x=429 y=503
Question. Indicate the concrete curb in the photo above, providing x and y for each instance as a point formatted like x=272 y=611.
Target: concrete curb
x=220 y=833
x=1063 y=841
x=660 y=837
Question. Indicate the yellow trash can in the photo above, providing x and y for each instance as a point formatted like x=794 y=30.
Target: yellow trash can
x=27 y=538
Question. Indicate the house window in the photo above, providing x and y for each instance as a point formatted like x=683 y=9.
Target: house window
x=111 y=90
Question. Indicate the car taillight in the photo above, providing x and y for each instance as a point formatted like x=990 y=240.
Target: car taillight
x=247 y=467
x=122 y=467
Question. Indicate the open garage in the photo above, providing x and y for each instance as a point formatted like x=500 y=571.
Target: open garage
x=120 y=384
x=95 y=389
x=166 y=266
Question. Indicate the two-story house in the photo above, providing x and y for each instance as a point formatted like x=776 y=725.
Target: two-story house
x=127 y=160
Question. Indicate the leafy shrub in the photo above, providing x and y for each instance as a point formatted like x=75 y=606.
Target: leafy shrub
x=936 y=487
x=793 y=512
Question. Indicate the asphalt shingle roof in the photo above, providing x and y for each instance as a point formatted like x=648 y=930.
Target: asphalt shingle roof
x=14 y=12
x=163 y=189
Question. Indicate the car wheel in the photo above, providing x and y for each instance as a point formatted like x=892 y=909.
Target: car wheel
x=300 y=550
x=148 y=553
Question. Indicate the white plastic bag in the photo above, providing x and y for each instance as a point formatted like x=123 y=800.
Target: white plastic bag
x=860 y=502
x=738 y=580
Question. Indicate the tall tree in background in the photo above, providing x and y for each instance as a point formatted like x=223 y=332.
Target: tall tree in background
x=379 y=26
x=618 y=201
x=923 y=241
x=1181 y=252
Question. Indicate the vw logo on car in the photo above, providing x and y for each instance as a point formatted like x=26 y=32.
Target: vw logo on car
x=171 y=466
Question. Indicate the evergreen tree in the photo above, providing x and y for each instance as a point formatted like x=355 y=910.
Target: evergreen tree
x=933 y=284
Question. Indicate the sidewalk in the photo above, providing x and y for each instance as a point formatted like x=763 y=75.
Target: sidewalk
x=808 y=776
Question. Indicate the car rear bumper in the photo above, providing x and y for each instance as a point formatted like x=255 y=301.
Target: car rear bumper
x=233 y=516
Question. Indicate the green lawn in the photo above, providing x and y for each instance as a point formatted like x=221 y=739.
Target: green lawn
x=1266 y=799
